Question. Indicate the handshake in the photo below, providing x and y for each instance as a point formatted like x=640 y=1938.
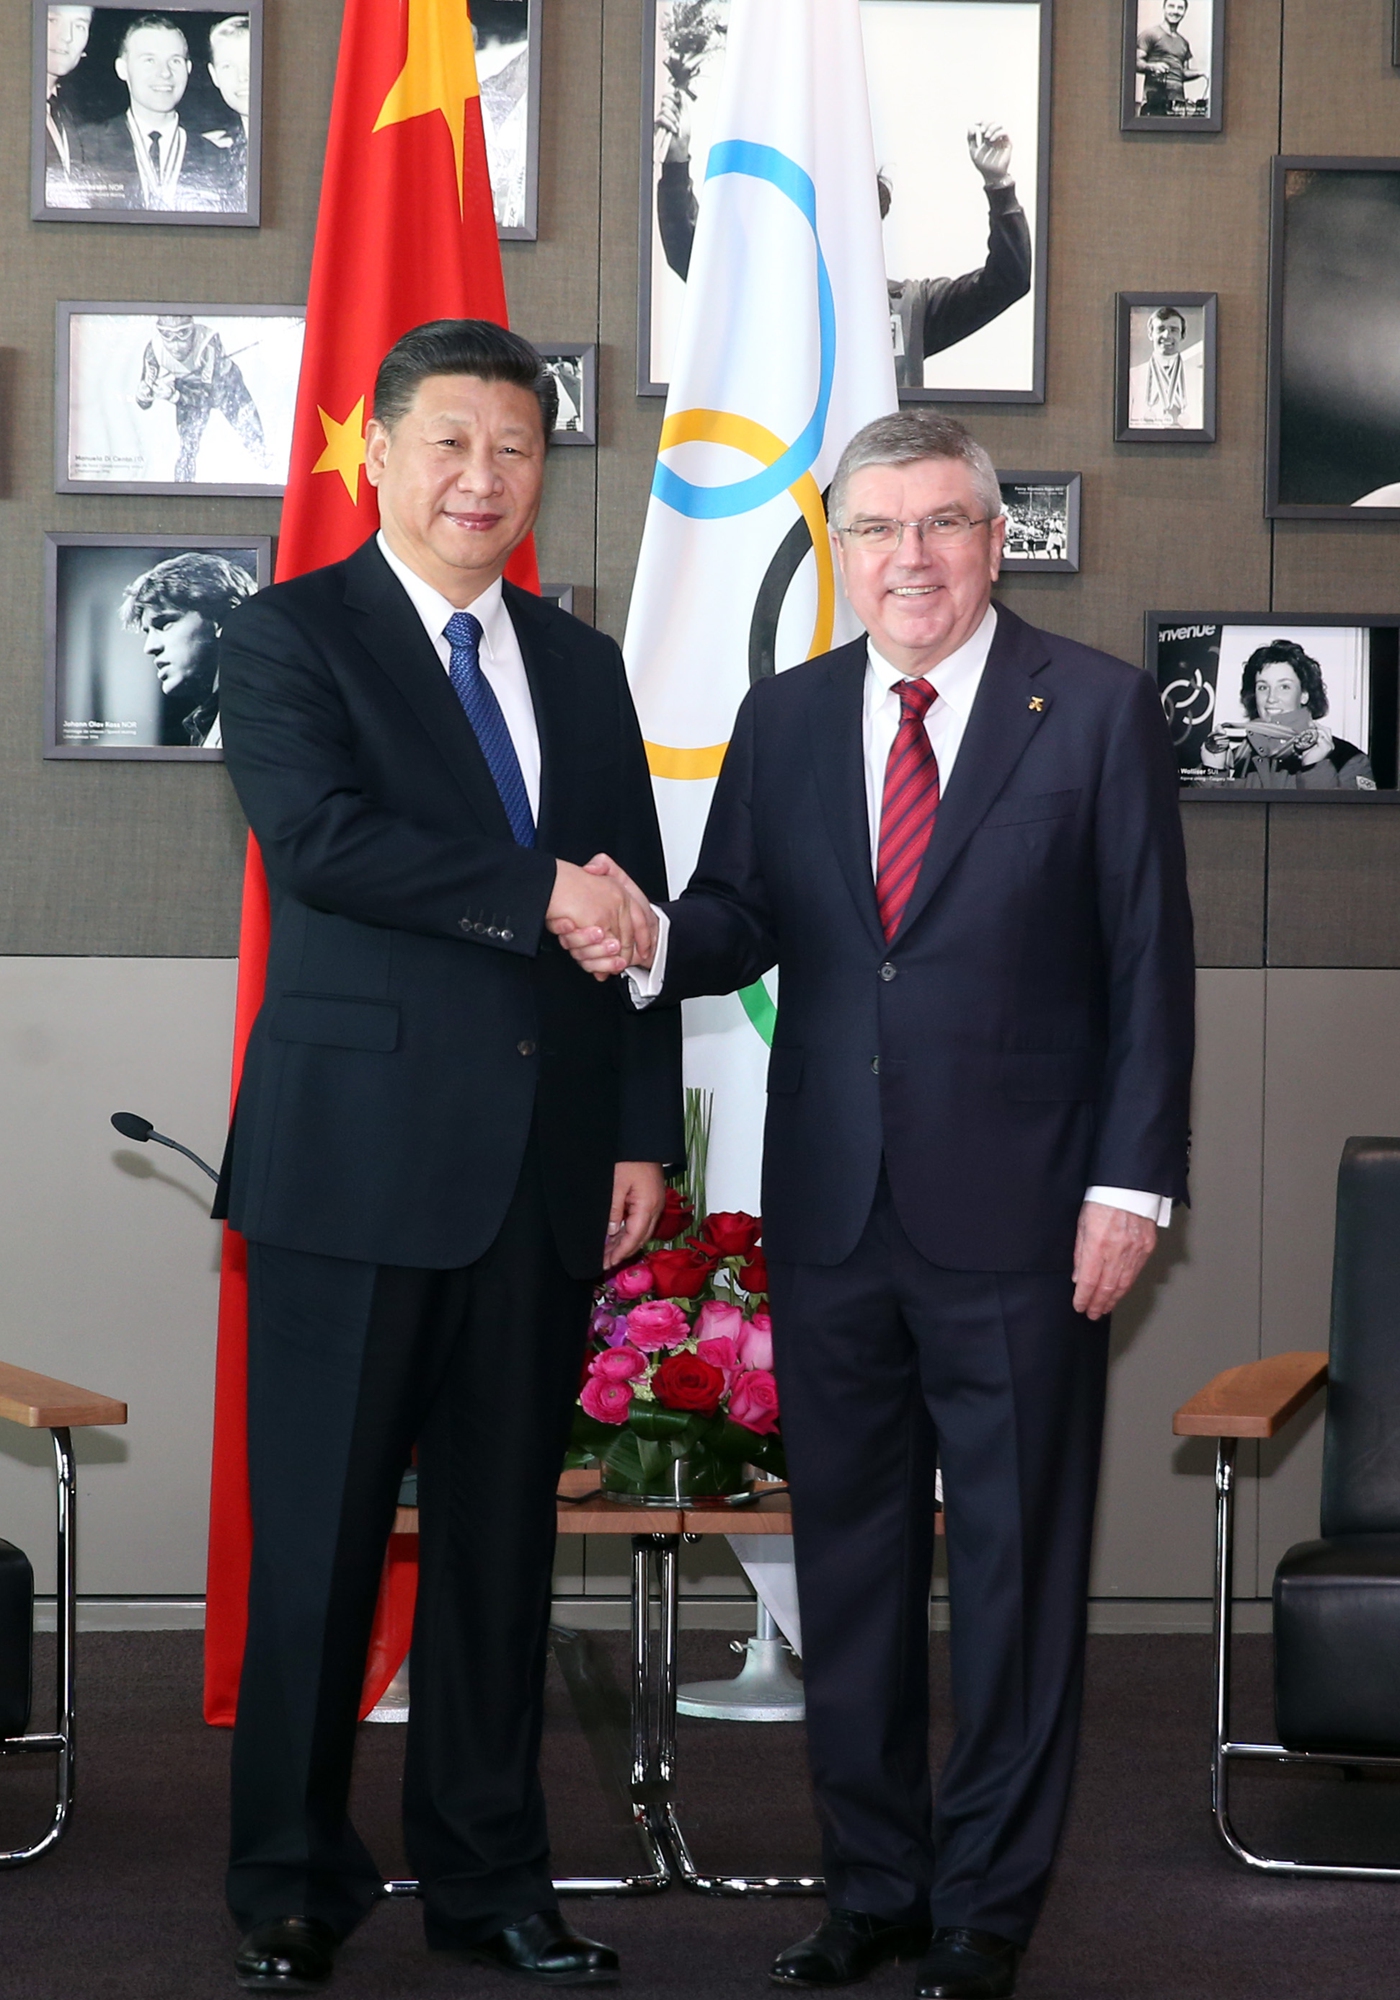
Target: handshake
x=601 y=917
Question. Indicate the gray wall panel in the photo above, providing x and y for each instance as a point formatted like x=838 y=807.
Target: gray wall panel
x=1226 y=857
x=1332 y=881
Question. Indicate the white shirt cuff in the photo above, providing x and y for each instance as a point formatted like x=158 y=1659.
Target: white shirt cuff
x=644 y=983
x=1156 y=1207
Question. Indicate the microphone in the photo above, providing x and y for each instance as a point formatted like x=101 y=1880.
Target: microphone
x=132 y=1126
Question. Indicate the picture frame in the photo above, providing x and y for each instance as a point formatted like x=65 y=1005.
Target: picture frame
x=1332 y=441
x=107 y=77
x=1042 y=515
x=936 y=69
x=574 y=366
x=1337 y=670
x=131 y=630
x=507 y=35
x=174 y=399
x=1186 y=102
x=1164 y=378
x=1395 y=34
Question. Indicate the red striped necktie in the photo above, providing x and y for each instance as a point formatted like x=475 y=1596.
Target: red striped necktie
x=910 y=804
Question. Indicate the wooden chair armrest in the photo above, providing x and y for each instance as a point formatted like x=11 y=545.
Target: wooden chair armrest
x=41 y=1403
x=1254 y=1401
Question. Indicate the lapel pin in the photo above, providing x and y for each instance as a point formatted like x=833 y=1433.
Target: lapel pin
x=1037 y=703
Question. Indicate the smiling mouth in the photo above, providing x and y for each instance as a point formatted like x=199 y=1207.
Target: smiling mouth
x=915 y=589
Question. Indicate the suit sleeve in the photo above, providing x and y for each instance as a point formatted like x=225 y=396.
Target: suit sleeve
x=1145 y=923
x=722 y=935
x=676 y=211
x=290 y=749
x=959 y=306
x=651 y=1120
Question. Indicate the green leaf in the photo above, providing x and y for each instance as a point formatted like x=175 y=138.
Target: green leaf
x=588 y=1435
x=654 y=1421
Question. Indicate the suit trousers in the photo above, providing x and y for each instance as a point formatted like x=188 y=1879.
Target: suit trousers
x=349 y=1366
x=887 y=1366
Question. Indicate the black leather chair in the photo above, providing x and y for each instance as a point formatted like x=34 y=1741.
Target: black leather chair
x=1337 y=1599
x=40 y=1403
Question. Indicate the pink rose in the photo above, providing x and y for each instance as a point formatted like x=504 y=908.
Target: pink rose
x=619 y=1364
x=607 y=1402
x=658 y=1323
x=756 y=1342
x=753 y=1402
x=721 y=1352
x=716 y=1318
x=632 y=1280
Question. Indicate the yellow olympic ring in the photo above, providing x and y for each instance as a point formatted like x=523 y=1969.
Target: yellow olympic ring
x=721 y=427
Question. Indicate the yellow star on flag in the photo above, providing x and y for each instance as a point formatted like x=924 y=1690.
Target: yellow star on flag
x=439 y=72
x=345 y=448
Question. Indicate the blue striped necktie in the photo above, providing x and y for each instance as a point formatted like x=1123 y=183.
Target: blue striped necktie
x=471 y=687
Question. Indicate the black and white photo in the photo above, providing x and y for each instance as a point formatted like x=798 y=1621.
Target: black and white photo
x=507 y=38
x=1333 y=438
x=146 y=115
x=574 y=366
x=1165 y=387
x=132 y=627
x=1042 y=523
x=1173 y=66
x=959 y=96
x=1299 y=706
x=175 y=399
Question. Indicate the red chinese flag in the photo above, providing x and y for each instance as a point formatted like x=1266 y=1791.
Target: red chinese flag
x=405 y=234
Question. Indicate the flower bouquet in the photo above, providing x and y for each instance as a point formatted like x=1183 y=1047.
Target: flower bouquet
x=678 y=1399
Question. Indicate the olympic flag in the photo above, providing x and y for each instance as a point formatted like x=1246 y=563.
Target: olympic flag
x=784 y=352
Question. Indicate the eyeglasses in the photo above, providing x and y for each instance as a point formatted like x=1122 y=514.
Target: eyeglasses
x=882 y=537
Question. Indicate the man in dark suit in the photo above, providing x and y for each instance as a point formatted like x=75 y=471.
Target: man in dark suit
x=444 y=1132
x=977 y=1118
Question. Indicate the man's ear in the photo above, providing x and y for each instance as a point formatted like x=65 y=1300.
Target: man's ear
x=376 y=450
x=998 y=543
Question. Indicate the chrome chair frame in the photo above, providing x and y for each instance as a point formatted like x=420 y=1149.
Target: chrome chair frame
x=1224 y=1750
x=60 y=1740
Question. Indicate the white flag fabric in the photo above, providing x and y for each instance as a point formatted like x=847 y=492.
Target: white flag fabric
x=784 y=353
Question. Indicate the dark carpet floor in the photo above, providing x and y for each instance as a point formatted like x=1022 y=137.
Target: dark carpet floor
x=1145 y=1904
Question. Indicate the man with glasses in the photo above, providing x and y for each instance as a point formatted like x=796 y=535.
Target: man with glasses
x=958 y=839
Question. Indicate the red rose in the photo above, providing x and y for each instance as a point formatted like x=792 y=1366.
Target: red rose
x=680 y=1274
x=675 y=1217
x=686 y=1382
x=731 y=1235
x=753 y=1276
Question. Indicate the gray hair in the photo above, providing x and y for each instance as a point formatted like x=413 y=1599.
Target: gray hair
x=904 y=439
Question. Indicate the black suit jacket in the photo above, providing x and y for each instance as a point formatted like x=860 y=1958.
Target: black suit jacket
x=418 y=1015
x=1028 y=1031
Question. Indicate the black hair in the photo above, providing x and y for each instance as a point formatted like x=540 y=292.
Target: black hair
x=1171 y=312
x=1285 y=653
x=153 y=21
x=461 y=347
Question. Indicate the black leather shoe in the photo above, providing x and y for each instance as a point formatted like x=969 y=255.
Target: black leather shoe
x=847 y=1947
x=293 y=1955
x=544 y=1948
x=968 y=1965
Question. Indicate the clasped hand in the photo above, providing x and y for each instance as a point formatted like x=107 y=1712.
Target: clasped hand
x=601 y=917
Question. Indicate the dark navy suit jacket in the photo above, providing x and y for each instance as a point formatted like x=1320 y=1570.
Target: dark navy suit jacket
x=1028 y=1032
x=418 y=1015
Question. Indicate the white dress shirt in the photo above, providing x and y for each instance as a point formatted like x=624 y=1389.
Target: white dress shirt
x=501 y=660
x=957 y=680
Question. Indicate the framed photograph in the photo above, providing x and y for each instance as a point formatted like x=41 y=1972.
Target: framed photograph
x=1164 y=386
x=1042 y=523
x=132 y=625
x=175 y=399
x=1305 y=708
x=959 y=104
x=1173 y=66
x=507 y=37
x=146 y=116
x=1333 y=439
x=574 y=366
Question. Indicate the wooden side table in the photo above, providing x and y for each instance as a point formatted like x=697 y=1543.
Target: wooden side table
x=656 y=1534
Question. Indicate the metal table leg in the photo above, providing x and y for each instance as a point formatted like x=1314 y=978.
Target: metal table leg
x=60 y=1739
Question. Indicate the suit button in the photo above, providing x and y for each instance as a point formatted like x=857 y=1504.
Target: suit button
x=888 y=971
x=480 y=929
x=875 y=1065
x=526 y=1048
x=506 y=936
x=492 y=931
x=465 y=924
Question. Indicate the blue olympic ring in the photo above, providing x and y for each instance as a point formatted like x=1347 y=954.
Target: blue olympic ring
x=742 y=496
